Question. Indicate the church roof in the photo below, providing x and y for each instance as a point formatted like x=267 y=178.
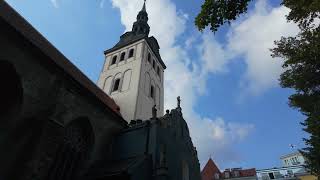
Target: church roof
x=55 y=58
x=209 y=170
x=140 y=30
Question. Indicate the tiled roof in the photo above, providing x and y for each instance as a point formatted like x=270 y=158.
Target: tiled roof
x=247 y=172
x=209 y=170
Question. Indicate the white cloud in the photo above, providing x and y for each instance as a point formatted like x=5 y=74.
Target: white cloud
x=218 y=137
x=187 y=78
x=54 y=3
x=252 y=38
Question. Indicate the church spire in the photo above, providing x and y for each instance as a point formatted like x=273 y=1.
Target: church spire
x=144 y=6
x=141 y=25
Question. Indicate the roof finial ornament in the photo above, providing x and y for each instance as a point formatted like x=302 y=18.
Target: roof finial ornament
x=178 y=101
x=144 y=6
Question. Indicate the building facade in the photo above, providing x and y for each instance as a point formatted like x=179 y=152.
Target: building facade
x=293 y=168
x=293 y=159
x=212 y=172
x=56 y=124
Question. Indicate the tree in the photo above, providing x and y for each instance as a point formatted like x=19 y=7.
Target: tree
x=301 y=56
x=218 y=12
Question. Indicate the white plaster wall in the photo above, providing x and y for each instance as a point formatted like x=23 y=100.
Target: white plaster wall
x=145 y=102
x=133 y=97
x=126 y=97
x=291 y=162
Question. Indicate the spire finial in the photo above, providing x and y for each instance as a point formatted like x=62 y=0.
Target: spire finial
x=144 y=6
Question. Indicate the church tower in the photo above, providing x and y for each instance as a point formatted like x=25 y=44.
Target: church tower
x=133 y=72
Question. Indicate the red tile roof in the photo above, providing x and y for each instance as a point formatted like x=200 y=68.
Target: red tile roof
x=209 y=170
x=248 y=172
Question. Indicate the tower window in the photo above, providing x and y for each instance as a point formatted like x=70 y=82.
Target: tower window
x=131 y=53
x=152 y=92
x=154 y=64
x=114 y=60
x=122 y=56
x=116 y=85
x=149 y=57
x=158 y=70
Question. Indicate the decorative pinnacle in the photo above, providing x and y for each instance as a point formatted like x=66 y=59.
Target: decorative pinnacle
x=178 y=101
x=144 y=6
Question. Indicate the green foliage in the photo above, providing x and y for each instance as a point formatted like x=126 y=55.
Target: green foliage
x=218 y=12
x=301 y=65
x=302 y=73
x=302 y=12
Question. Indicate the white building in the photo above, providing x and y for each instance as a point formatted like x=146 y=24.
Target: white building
x=133 y=72
x=293 y=159
x=292 y=168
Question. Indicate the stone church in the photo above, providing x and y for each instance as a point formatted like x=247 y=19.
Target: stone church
x=55 y=124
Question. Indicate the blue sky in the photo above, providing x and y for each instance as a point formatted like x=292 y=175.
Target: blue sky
x=235 y=109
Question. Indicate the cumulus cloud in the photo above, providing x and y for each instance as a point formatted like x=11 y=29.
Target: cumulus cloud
x=251 y=37
x=217 y=137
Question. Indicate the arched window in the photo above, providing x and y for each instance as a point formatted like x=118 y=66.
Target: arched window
x=122 y=56
x=131 y=53
x=152 y=93
x=114 y=60
x=116 y=85
x=154 y=64
x=126 y=80
x=74 y=151
x=149 y=58
x=158 y=71
x=107 y=85
x=158 y=96
x=147 y=84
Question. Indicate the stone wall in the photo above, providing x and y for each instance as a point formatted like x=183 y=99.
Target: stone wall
x=42 y=94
